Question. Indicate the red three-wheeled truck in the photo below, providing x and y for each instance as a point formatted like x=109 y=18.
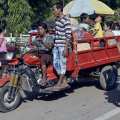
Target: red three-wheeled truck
x=93 y=56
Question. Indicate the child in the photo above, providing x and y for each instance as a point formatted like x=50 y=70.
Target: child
x=97 y=27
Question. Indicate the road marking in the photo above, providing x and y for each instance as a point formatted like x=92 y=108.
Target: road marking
x=109 y=114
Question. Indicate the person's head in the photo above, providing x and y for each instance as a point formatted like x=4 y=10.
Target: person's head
x=57 y=9
x=42 y=29
x=91 y=19
x=98 y=18
x=84 y=17
x=1 y=30
x=95 y=17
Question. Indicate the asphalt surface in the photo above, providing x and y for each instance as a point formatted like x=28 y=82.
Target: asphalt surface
x=86 y=102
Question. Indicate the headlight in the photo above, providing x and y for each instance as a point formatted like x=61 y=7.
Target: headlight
x=9 y=55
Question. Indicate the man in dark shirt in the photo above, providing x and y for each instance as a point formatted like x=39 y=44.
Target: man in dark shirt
x=44 y=43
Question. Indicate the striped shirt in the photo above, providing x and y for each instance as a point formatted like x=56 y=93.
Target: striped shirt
x=62 y=31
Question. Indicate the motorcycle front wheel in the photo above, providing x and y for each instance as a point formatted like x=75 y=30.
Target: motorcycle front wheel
x=7 y=105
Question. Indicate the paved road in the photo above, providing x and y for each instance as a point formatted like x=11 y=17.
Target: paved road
x=87 y=102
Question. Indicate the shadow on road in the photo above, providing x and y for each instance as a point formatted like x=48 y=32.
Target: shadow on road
x=75 y=85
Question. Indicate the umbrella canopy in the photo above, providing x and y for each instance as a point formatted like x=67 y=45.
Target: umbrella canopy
x=76 y=7
x=101 y=8
x=67 y=8
x=74 y=21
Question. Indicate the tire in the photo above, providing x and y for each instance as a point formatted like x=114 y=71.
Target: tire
x=6 y=106
x=108 y=77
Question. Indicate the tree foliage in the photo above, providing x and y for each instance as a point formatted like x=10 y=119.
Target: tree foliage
x=112 y=3
x=21 y=14
x=42 y=8
x=18 y=15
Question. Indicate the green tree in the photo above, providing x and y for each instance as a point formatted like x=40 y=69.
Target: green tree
x=42 y=9
x=18 y=15
x=113 y=3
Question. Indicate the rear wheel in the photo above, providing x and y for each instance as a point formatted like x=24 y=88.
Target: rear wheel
x=108 y=77
x=7 y=105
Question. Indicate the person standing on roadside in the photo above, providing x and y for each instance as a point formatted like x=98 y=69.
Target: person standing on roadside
x=3 y=47
x=3 y=42
x=62 y=41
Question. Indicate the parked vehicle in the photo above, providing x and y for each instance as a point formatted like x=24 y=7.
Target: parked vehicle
x=23 y=71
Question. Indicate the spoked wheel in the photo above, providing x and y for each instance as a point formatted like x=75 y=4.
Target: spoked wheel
x=6 y=104
x=108 y=77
